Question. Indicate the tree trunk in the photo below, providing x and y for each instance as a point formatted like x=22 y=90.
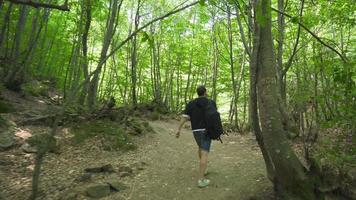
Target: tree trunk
x=93 y=85
x=233 y=110
x=290 y=181
x=12 y=78
x=5 y=26
x=86 y=10
x=253 y=106
x=134 y=57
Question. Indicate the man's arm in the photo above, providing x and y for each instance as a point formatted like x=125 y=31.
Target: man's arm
x=181 y=123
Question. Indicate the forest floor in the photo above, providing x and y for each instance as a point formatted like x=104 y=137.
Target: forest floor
x=162 y=167
x=236 y=168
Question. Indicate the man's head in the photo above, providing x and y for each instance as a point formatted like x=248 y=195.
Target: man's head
x=201 y=91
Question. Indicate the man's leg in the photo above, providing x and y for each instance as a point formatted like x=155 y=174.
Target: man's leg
x=203 y=163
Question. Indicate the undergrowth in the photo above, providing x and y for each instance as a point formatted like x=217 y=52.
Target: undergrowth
x=112 y=134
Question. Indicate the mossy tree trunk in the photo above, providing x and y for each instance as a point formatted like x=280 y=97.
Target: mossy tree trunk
x=290 y=178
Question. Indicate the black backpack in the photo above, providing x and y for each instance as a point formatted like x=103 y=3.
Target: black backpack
x=213 y=121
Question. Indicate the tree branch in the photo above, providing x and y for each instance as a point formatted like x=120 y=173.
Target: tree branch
x=290 y=60
x=63 y=7
x=146 y=25
x=313 y=34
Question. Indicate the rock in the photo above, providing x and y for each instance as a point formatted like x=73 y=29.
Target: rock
x=139 y=165
x=27 y=148
x=6 y=162
x=98 y=191
x=126 y=169
x=124 y=174
x=6 y=139
x=85 y=177
x=105 y=168
x=70 y=196
x=291 y=135
x=330 y=178
x=348 y=187
x=116 y=185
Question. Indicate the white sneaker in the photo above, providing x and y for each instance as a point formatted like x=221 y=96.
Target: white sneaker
x=203 y=182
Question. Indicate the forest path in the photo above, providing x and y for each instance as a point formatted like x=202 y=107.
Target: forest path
x=236 y=168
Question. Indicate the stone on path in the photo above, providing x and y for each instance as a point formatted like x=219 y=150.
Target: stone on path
x=116 y=185
x=125 y=171
x=27 y=148
x=70 y=196
x=98 y=191
x=102 y=169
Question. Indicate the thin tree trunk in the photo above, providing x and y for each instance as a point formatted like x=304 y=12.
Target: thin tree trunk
x=93 y=85
x=12 y=79
x=134 y=57
x=231 y=62
x=5 y=26
x=86 y=10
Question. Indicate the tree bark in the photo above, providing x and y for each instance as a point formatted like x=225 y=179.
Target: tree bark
x=12 y=78
x=233 y=109
x=134 y=56
x=86 y=11
x=93 y=85
x=290 y=181
x=4 y=26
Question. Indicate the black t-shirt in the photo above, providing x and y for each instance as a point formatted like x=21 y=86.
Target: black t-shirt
x=195 y=110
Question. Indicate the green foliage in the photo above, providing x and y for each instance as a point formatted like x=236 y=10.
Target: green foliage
x=337 y=150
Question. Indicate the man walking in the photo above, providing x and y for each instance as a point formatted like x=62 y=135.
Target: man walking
x=194 y=112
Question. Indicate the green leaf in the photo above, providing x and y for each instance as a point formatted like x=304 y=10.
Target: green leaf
x=145 y=36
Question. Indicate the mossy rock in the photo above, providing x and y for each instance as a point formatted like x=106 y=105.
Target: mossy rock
x=154 y=115
x=138 y=126
x=35 y=88
x=6 y=107
x=44 y=142
x=112 y=134
x=98 y=191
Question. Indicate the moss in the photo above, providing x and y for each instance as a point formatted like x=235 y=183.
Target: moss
x=6 y=107
x=44 y=142
x=154 y=115
x=111 y=133
x=138 y=126
x=35 y=88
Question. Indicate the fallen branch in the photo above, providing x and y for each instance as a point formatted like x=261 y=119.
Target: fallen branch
x=63 y=7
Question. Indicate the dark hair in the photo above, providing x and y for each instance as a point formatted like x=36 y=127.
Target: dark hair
x=201 y=90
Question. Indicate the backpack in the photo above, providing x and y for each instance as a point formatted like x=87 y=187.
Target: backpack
x=213 y=123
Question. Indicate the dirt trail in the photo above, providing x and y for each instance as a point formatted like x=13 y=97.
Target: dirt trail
x=236 y=168
x=168 y=169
